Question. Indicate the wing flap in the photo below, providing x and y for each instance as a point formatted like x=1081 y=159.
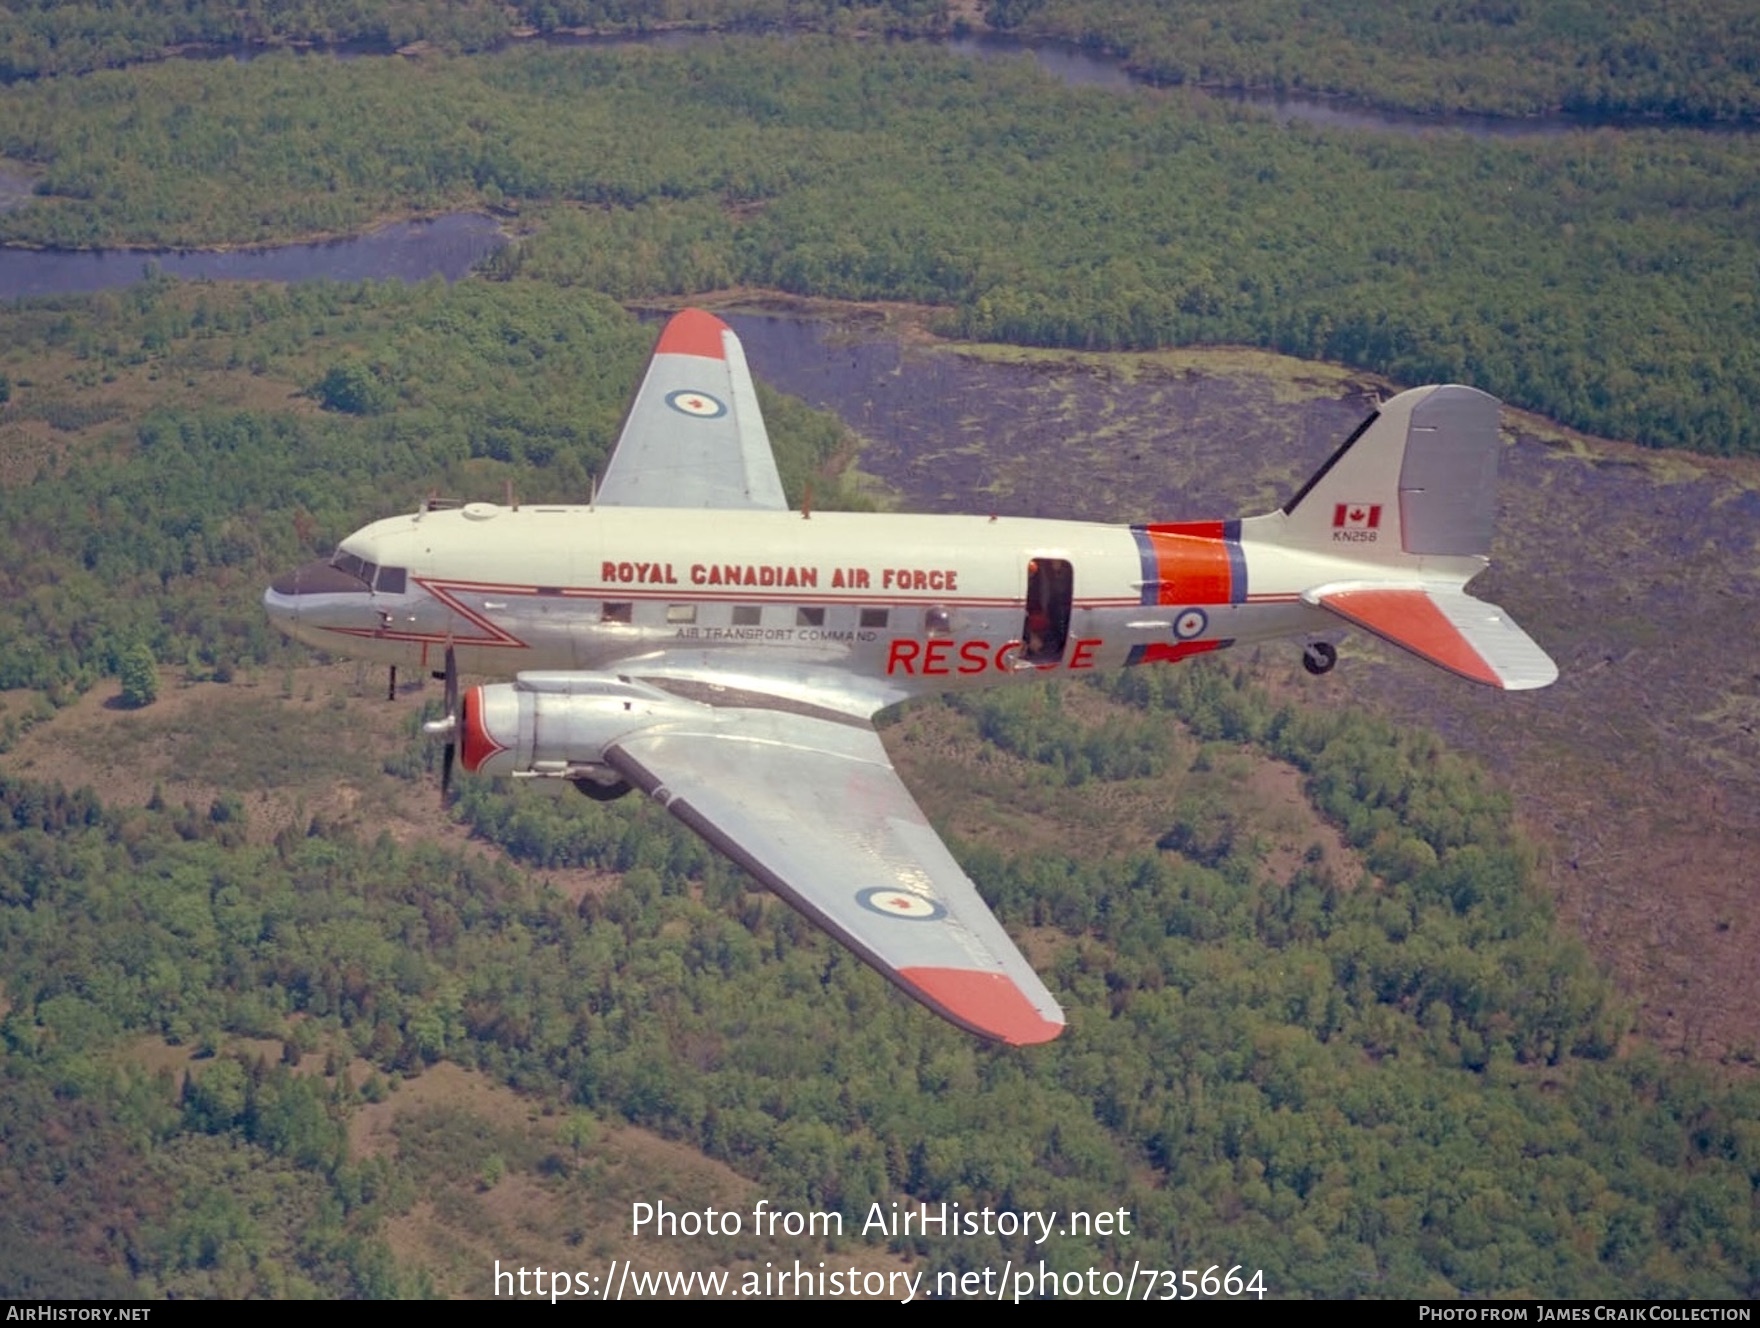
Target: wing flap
x=1447 y=627
x=813 y=808
x=694 y=436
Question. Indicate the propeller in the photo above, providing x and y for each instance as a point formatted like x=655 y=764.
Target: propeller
x=454 y=722
x=448 y=725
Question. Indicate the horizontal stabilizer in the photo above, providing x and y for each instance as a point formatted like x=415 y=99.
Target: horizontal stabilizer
x=1449 y=628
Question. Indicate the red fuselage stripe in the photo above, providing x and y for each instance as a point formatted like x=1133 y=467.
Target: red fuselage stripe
x=1192 y=563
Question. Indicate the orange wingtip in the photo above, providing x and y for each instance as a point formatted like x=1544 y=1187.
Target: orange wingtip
x=1410 y=618
x=693 y=332
x=986 y=1003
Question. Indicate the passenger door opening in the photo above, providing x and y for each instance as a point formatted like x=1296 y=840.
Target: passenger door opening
x=1050 y=588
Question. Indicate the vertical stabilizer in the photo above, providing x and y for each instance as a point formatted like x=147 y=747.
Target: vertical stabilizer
x=1418 y=478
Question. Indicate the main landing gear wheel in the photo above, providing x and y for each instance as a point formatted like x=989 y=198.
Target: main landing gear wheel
x=1318 y=657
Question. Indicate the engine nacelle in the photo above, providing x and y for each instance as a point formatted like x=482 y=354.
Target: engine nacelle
x=558 y=725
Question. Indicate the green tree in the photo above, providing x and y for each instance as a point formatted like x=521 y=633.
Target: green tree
x=140 y=676
x=355 y=389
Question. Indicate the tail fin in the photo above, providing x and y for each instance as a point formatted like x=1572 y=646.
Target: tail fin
x=1418 y=478
x=1410 y=498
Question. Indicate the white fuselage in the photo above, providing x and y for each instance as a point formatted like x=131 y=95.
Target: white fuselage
x=871 y=608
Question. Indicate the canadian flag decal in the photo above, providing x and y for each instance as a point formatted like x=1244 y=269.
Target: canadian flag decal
x=1356 y=516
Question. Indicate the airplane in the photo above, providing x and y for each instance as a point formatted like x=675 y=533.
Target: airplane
x=688 y=635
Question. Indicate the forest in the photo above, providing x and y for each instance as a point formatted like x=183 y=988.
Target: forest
x=1604 y=280
x=1643 y=59
x=1396 y=1078
x=1639 y=59
x=1344 y=1038
x=168 y=542
x=1401 y=1085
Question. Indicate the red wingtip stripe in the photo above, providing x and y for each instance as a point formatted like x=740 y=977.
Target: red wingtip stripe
x=986 y=1003
x=693 y=332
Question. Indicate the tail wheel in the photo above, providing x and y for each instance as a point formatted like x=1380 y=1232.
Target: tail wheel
x=1318 y=657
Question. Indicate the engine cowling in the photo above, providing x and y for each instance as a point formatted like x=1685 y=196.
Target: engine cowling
x=558 y=725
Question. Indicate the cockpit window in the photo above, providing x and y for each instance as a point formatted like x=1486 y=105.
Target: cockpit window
x=385 y=580
x=359 y=568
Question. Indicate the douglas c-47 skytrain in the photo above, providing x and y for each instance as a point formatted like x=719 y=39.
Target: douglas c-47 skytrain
x=689 y=635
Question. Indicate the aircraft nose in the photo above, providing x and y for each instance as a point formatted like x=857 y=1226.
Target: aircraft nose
x=281 y=600
x=282 y=607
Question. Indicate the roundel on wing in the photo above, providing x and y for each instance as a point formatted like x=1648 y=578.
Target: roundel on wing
x=905 y=904
x=703 y=405
x=1190 y=624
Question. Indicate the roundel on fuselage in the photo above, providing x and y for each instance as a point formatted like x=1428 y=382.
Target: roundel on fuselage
x=1191 y=624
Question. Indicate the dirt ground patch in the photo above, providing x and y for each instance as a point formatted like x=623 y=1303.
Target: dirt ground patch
x=1293 y=827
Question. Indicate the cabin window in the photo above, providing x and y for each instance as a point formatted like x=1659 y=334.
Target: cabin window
x=681 y=613
x=809 y=617
x=938 y=622
x=616 y=613
x=875 y=617
x=747 y=615
x=1050 y=589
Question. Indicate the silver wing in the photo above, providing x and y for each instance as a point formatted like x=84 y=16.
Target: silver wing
x=811 y=806
x=694 y=437
x=793 y=787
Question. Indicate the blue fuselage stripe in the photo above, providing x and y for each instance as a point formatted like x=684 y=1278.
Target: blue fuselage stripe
x=1237 y=561
x=1151 y=566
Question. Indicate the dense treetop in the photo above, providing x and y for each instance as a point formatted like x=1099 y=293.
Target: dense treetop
x=1397 y=1085
x=1643 y=58
x=163 y=534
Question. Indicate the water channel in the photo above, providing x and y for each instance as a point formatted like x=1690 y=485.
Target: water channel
x=411 y=251
x=1079 y=67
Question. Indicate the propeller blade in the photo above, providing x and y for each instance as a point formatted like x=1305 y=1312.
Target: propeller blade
x=454 y=722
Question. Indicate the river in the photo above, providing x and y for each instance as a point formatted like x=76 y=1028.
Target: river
x=448 y=247
x=1079 y=67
